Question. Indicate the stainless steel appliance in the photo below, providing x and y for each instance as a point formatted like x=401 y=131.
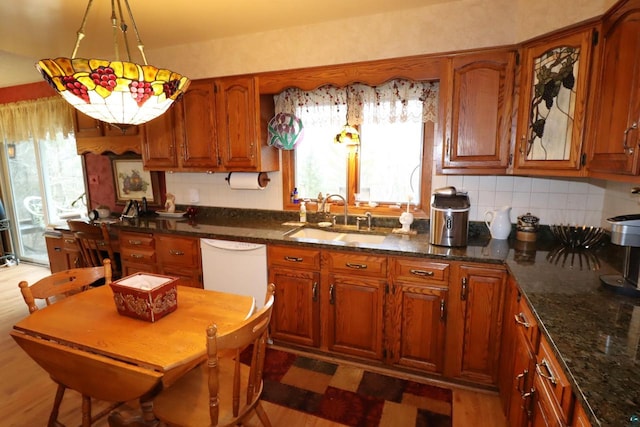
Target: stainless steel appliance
x=625 y=231
x=449 y=223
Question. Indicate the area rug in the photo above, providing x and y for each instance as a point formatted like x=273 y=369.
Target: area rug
x=352 y=395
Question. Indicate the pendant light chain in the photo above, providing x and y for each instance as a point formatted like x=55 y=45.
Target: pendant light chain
x=80 y=33
x=135 y=30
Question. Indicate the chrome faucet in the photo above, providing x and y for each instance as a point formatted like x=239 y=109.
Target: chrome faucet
x=366 y=217
x=345 y=205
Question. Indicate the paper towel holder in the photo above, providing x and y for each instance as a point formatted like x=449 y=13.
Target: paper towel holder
x=262 y=178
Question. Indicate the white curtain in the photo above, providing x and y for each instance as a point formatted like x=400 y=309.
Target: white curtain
x=356 y=104
x=38 y=119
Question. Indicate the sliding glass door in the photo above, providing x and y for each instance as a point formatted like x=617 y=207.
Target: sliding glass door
x=45 y=186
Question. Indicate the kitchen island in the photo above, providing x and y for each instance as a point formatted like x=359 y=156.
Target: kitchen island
x=594 y=333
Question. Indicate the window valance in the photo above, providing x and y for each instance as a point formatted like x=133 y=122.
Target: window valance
x=395 y=101
x=38 y=119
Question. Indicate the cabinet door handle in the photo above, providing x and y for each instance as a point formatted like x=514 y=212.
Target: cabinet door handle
x=521 y=320
x=422 y=273
x=627 y=149
x=356 y=266
x=548 y=375
x=135 y=242
x=463 y=293
x=442 y=310
x=332 y=295
x=176 y=252
x=521 y=378
x=292 y=259
x=523 y=141
x=314 y=291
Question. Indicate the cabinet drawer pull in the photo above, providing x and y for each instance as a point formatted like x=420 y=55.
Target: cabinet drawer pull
x=293 y=259
x=627 y=149
x=57 y=249
x=176 y=252
x=356 y=266
x=135 y=242
x=521 y=320
x=549 y=375
x=421 y=273
x=70 y=241
x=137 y=256
x=314 y=291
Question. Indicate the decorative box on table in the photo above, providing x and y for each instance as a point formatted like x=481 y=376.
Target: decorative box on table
x=145 y=296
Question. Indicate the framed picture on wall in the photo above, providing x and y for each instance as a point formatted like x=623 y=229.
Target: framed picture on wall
x=132 y=182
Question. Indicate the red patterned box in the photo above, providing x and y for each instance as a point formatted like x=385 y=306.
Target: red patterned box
x=145 y=296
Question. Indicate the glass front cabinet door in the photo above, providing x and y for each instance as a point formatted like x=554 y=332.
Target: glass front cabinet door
x=551 y=113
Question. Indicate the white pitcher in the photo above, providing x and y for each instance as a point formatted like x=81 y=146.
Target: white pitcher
x=500 y=222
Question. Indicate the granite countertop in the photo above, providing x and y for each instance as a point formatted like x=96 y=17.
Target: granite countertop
x=594 y=332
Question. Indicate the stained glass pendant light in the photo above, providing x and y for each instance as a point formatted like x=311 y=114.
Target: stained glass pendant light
x=122 y=93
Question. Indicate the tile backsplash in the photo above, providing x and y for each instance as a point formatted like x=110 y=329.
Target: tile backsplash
x=578 y=201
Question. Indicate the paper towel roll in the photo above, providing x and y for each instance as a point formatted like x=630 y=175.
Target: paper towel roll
x=248 y=180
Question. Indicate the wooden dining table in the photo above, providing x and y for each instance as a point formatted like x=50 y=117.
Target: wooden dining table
x=87 y=327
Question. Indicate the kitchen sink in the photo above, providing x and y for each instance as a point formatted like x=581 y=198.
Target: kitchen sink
x=336 y=236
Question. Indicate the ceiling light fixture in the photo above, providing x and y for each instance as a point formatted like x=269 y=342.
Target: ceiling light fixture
x=121 y=93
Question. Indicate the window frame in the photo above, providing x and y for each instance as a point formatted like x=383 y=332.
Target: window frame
x=419 y=211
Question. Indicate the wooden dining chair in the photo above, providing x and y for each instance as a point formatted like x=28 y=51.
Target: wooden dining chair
x=53 y=288
x=222 y=391
x=95 y=244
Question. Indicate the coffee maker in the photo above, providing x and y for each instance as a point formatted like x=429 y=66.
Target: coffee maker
x=625 y=231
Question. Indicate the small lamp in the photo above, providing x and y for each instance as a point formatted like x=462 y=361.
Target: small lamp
x=11 y=150
x=348 y=136
x=117 y=92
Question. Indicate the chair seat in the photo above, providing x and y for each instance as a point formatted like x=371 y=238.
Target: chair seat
x=185 y=403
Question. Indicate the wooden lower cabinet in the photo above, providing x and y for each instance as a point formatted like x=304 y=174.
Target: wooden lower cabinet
x=296 y=315
x=355 y=304
x=395 y=310
x=416 y=314
x=475 y=323
x=355 y=316
x=552 y=395
x=179 y=256
x=63 y=252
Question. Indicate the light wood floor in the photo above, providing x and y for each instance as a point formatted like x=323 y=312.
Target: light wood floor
x=26 y=392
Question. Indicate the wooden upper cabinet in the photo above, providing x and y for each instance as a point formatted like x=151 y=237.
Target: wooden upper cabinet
x=478 y=108
x=94 y=136
x=184 y=137
x=196 y=127
x=219 y=125
x=553 y=95
x=242 y=118
x=616 y=105
x=159 y=146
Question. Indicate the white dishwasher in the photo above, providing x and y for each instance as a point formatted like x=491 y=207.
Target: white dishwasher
x=235 y=267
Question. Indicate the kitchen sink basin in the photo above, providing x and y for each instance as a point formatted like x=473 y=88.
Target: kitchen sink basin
x=336 y=236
